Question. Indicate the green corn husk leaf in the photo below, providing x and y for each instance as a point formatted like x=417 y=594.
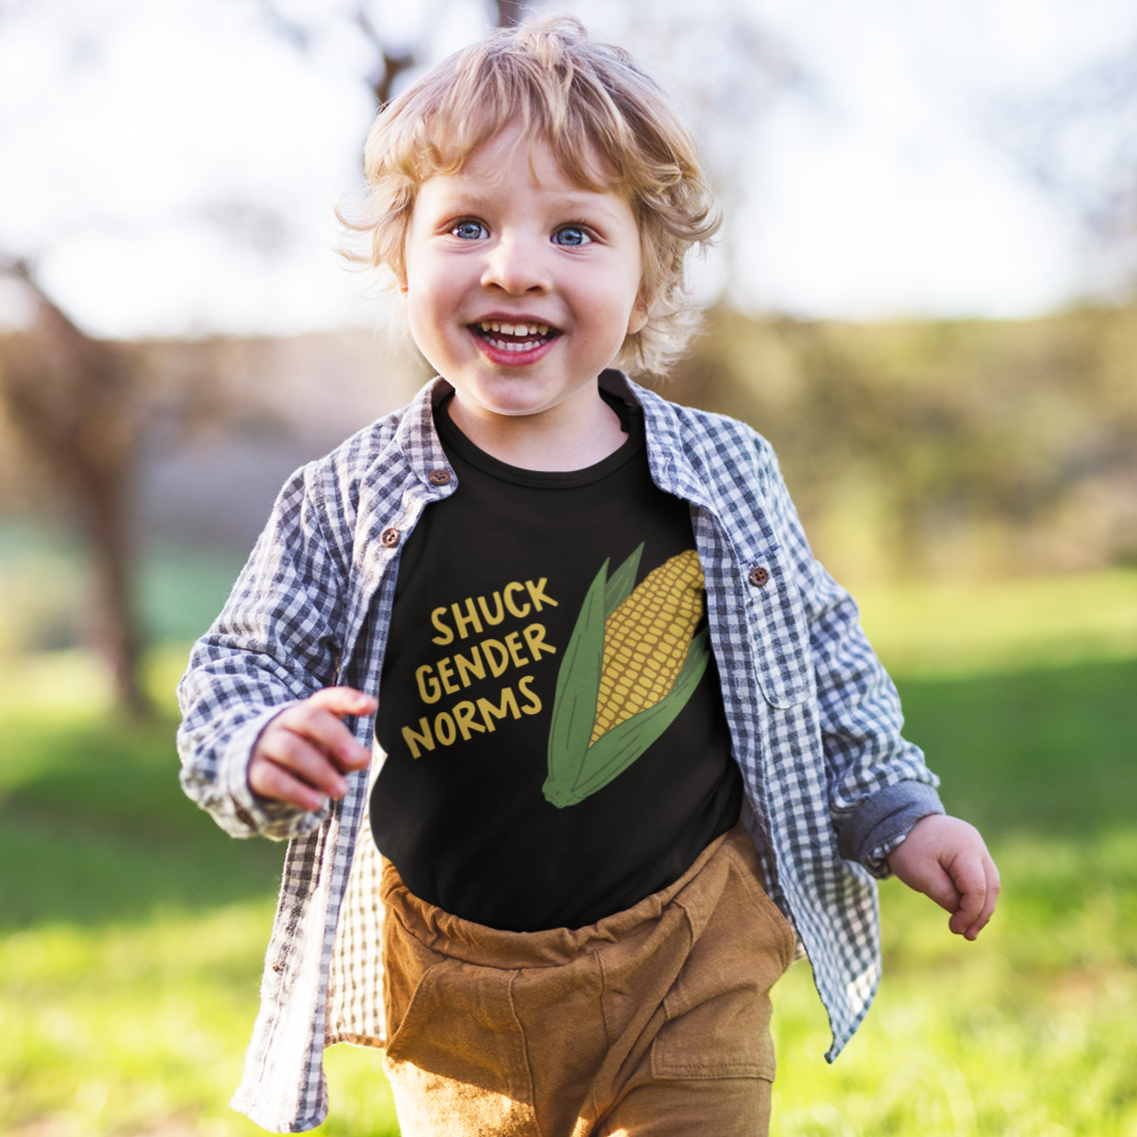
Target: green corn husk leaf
x=623 y=580
x=612 y=753
x=578 y=687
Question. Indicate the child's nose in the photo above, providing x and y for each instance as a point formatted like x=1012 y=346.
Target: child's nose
x=515 y=266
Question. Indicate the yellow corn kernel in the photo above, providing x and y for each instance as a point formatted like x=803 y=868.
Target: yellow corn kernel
x=646 y=640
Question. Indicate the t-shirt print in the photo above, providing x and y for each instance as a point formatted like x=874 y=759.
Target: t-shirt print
x=487 y=657
x=631 y=664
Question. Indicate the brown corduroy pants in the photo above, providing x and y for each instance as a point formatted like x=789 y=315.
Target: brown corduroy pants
x=654 y=1021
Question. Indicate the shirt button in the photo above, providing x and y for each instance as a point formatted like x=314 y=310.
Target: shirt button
x=439 y=477
x=759 y=576
x=389 y=538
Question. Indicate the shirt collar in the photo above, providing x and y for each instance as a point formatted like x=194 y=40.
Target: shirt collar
x=668 y=459
x=416 y=437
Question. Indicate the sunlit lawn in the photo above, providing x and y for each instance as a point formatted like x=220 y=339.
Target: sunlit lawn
x=131 y=930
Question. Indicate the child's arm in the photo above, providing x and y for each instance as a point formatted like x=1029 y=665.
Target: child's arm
x=882 y=798
x=946 y=859
x=877 y=784
x=276 y=645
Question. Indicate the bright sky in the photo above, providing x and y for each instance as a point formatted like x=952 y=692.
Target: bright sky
x=173 y=165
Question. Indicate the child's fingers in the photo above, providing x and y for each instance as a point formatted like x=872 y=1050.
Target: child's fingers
x=977 y=880
x=946 y=859
x=269 y=780
x=990 y=899
x=343 y=701
x=304 y=753
x=971 y=882
x=317 y=719
x=324 y=730
x=337 y=739
x=939 y=886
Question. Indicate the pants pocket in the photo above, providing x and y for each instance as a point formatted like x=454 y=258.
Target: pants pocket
x=452 y=1033
x=407 y=969
x=717 y=1013
x=407 y=1022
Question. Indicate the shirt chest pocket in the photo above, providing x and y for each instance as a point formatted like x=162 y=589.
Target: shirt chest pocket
x=778 y=638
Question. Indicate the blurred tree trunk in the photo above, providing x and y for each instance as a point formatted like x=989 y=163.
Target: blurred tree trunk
x=73 y=400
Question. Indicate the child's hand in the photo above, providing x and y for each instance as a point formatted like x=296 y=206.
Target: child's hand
x=302 y=754
x=946 y=859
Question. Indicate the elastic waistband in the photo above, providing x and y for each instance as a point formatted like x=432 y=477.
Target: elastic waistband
x=490 y=947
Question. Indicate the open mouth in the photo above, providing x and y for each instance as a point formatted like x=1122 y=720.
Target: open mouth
x=514 y=338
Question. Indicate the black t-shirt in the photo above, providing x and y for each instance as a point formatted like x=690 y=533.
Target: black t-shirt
x=550 y=709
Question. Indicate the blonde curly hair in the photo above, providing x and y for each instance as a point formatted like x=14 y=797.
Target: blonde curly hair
x=610 y=126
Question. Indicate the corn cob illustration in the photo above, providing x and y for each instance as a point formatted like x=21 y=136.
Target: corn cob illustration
x=629 y=669
x=646 y=640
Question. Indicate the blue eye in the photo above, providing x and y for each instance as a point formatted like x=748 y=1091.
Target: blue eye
x=571 y=235
x=470 y=230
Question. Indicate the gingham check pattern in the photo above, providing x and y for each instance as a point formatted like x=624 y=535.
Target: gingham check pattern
x=814 y=718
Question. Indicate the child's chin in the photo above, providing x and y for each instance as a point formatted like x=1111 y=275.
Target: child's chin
x=508 y=397
x=514 y=408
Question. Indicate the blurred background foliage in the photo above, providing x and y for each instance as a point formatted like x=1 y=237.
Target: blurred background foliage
x=955 y=450
x=974 y=481
x=917 y=451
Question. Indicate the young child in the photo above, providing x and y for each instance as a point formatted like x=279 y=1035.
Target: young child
x=630 y=743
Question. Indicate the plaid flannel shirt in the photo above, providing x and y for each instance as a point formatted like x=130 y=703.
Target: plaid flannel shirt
x=814 y=718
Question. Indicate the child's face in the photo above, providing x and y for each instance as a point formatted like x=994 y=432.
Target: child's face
x=520 y=286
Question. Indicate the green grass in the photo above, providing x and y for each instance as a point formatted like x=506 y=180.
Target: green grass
x=1051 y=752
x=937 y=629
x=1029 y=1032
x=132 y=930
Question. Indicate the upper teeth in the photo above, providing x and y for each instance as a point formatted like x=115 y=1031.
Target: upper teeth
x=514 y=329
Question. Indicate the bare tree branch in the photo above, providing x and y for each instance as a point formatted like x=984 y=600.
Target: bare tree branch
x=510 y=12
x=389 y=64
x=1078 y=142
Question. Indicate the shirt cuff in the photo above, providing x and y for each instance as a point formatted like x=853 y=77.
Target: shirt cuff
x=882 y=821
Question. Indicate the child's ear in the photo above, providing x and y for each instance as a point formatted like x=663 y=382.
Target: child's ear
x=638 y=317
